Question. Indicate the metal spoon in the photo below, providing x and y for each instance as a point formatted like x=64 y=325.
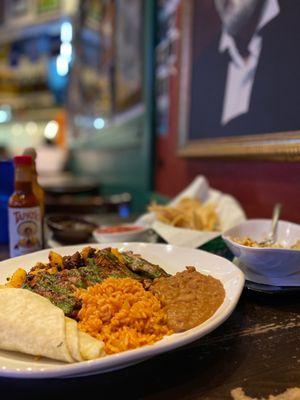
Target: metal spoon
x=271 y=236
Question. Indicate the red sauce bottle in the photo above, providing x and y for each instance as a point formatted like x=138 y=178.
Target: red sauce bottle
x=24 y=212
x=36 y=187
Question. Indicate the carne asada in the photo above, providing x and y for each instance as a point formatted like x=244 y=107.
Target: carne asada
x=59 y=279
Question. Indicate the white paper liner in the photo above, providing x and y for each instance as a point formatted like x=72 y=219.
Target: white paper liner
x=229 y=211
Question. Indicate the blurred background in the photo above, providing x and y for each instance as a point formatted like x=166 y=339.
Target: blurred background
x=76 y=83
x=93 y=86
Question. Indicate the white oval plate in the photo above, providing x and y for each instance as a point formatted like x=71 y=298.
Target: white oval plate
x=172 y=259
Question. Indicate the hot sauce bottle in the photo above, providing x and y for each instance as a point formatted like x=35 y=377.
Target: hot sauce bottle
x=36 y=187
x=24 y=212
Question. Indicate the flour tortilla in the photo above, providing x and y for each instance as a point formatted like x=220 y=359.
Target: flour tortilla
x=72 y=339
x=30 y=323
x=90 y=347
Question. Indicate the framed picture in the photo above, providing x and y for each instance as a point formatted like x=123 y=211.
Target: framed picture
x=239 y=79
x=166 y=60
x=48 y=6
x=128 y=53
x=20 y=12
x=2 y=13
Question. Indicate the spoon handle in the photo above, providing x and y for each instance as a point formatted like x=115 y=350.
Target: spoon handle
x=275 y=218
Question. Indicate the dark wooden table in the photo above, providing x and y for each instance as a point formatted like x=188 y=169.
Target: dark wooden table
x=257 y=348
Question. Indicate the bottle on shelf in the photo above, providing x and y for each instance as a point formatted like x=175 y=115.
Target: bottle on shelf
x=24 y=212
x=6 y=189
x=36 y=187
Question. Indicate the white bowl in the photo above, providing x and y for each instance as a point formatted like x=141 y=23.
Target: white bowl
x=269 y=266
x=130 y=236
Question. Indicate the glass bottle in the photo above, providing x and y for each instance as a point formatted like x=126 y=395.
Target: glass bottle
x=6 y=189
x=36 y=187
x=24 y=212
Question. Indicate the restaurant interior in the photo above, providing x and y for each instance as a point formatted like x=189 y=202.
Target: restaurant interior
x=156 y=141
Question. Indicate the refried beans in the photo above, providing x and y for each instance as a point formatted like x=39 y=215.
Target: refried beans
x=188 y=298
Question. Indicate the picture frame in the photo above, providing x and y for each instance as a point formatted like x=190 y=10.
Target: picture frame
x=19 y=12
x=275 y=145
x=48 y=5
x=128 y=69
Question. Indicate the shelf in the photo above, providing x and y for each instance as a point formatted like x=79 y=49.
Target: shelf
x=10 y=33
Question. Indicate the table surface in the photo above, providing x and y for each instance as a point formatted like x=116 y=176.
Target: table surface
x=257 y=348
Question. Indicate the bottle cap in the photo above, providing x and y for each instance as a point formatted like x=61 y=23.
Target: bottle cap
x=23 y=160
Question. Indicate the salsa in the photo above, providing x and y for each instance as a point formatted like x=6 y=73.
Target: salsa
x=119 y=229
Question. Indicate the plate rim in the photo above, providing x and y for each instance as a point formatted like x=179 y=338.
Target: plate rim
x=131 y=356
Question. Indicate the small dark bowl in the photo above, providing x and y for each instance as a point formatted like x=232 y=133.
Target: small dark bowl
x=69 y=229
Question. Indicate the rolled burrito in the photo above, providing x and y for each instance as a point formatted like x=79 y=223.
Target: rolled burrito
x=30 y=323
